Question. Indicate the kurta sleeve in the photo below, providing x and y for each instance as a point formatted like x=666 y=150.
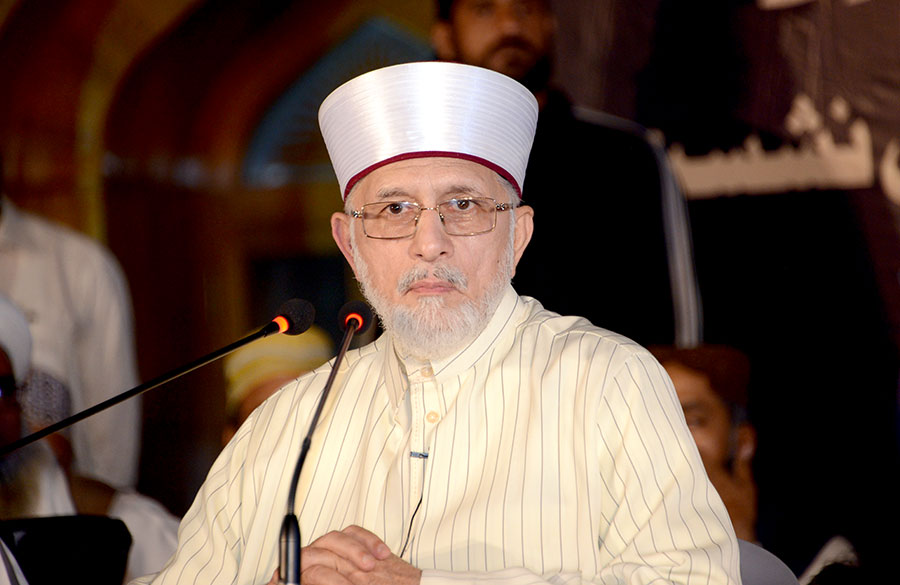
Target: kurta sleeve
x=210 y=540
x=665 y=520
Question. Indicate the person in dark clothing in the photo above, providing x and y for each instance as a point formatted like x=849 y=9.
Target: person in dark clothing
x=616 y=195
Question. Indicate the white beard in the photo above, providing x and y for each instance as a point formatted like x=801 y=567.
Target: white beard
x=431 y=330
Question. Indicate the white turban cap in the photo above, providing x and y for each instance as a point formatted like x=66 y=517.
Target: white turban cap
x=427 y=109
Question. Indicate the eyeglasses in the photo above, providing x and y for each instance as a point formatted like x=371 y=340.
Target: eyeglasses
x=391 y=220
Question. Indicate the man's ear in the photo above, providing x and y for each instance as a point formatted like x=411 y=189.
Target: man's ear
x=745 y=447
x=341 y=224
x=442 y=41
x=524 y=215
x=746 y=442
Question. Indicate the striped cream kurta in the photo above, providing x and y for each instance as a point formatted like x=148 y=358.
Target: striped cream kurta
x=547 y=450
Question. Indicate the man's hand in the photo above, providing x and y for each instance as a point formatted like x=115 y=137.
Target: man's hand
x=354 y=556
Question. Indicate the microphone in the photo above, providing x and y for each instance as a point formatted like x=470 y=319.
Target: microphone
x=354 y=317
x=358 y=313
x=294 y=317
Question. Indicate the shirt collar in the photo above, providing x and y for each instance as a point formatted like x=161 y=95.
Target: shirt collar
x=399 y=371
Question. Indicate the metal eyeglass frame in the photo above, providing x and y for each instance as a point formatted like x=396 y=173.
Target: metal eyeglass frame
x=358 y=214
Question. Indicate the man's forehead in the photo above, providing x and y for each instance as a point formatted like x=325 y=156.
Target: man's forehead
x=437 y=175
x=688 y=381
x=446 y=6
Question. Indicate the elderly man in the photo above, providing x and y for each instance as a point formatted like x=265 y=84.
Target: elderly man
x=482 y=437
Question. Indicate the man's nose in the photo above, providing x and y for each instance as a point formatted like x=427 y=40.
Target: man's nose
x=430 y=241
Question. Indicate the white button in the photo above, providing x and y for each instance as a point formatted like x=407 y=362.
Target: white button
x=427 y=372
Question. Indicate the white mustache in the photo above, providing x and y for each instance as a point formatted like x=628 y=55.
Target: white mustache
x=449 y=274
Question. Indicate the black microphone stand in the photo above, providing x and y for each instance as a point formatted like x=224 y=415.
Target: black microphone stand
x=296 y=316
x=356 y=317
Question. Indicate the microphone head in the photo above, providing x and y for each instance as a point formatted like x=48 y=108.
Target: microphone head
x=356 y=311
x=295 y=316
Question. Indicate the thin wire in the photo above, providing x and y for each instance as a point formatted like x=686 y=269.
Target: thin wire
x=409 y=532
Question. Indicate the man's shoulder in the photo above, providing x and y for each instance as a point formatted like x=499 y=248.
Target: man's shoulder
x=368 y=356
x=549 y=339
x=365 y=356
x=617 y=151
x=597 y=127
x=288 y=409
x=575 y=328
x=49 y=237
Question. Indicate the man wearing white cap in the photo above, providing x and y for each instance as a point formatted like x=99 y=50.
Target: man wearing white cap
x=255 y=371
x=33 y=484
x=481 y=438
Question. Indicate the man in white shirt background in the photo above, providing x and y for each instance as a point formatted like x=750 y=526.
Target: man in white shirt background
x=76 y=300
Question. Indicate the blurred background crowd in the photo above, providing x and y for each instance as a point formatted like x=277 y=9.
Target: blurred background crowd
x=165 y=188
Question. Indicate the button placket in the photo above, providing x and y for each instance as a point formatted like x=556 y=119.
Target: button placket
x=433 y=406
x=425 y=408
x=416 y=442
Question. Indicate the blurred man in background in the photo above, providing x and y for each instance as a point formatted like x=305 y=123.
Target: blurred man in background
x=635 y=224
x=257 y=370
x=78 y=308
x=35 y=483
x=711 y=382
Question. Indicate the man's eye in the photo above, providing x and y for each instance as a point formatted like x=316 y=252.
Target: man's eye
x=465 y=205
x=695 y=421
x=393 y=209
